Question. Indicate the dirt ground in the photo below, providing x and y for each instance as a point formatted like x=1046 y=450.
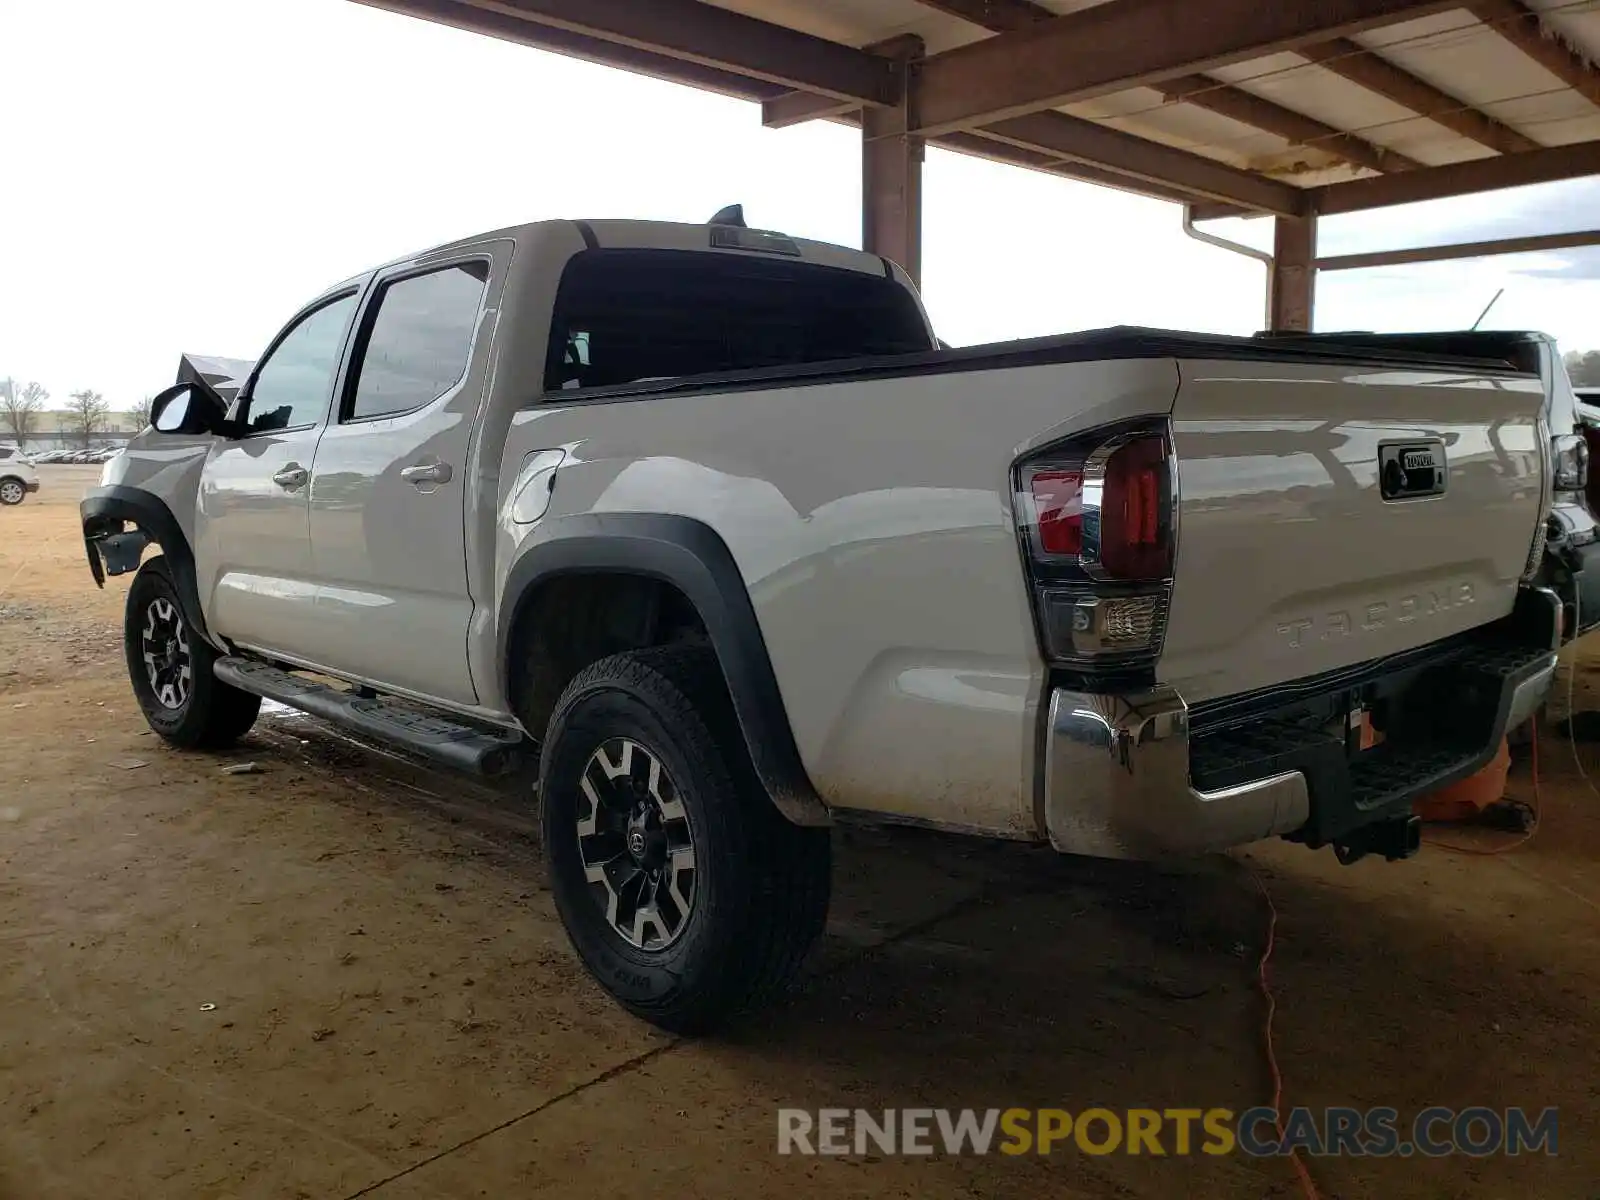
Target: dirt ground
x=344 y=977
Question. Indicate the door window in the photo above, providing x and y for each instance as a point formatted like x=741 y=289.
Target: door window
x=417 y=341
x=293 y=385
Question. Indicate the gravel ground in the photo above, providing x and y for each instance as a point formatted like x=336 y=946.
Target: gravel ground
x=343 y=976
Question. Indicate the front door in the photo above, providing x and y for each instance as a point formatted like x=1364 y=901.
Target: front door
x=252 y=532
x=389 y=483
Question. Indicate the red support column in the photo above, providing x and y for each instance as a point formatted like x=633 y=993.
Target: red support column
x=1292 y=286
x=891 y=171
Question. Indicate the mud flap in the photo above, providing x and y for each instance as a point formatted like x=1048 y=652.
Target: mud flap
x=94 y=562
x=122 y=551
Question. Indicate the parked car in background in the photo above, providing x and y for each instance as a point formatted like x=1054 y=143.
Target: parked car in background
x=17 y=476
x=1588 y=404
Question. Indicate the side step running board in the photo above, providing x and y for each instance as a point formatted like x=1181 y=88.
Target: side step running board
x=446 y=741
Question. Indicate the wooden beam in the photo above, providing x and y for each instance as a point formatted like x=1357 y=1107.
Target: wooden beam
x=891 y=177
x=459 y=15
x=1239 y=105
x=1073 y=140
x=978 y=146
x=701 y=33
x=1018 y=154
x=795 y=108
x=1007 y=16
x=1521 y=26
x=1458 y=179
x=1076 y=149
x=1128 y=43
x=1354 y=62
x=997 y=16
x=1424 y=254
x=1292 y=285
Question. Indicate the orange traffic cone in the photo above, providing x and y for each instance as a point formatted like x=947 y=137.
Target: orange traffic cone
x=1466 y=798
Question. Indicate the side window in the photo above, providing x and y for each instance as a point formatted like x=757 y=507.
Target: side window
x=5 y=453
x=294 y=384
x=415 y=348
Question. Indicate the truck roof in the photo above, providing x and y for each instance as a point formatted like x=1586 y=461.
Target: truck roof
x=612 y=233
x=617 y=234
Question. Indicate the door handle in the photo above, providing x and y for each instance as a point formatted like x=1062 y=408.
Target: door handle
x=426 y=473
x=291 y=477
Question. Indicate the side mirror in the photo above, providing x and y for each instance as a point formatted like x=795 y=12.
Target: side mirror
x=184 y=408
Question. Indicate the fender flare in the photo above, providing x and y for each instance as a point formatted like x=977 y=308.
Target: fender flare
x=689 y=555
x=105 y=509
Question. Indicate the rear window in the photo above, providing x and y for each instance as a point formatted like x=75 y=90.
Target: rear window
x=623 y=316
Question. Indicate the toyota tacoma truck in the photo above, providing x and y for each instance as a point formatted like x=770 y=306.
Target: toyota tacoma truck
x=702 y=528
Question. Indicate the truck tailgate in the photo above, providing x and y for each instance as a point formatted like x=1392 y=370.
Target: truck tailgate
x=1313 y=533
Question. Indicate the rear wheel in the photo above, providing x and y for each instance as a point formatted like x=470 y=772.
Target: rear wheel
x=12 y=490
x=170 y=669
x=685 y=892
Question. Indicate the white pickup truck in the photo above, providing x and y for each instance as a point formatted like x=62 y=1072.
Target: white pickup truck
x=704 y=520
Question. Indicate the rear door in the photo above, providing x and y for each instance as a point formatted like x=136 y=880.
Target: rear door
x=251 y=532
x=388 y=488
x=1333 y=513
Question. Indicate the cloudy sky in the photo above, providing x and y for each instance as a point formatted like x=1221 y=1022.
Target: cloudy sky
x=182 y=174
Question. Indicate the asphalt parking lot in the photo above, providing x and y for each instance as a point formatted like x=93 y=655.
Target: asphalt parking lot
x=342 y=976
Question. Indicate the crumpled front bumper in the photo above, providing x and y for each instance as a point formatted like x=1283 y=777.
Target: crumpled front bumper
x=30 y=485
x=1118 y=773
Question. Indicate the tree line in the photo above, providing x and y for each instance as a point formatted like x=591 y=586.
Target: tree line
x=1583 y=366
x=87 y=411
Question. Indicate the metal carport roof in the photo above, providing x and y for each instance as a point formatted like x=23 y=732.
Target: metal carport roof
x=1292 y=109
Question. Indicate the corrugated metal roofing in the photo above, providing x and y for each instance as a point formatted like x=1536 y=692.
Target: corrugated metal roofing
x=1292 y=117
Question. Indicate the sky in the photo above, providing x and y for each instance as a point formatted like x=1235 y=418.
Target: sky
x=181 y=175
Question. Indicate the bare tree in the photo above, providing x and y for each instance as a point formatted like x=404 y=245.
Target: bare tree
x=22 y=409
x=141 y=413
x=86 y=414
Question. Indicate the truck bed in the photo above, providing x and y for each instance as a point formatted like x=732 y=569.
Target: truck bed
x=1118 y=342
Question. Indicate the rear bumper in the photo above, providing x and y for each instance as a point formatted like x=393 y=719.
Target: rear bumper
x=1117 y=783
x=1120 y=770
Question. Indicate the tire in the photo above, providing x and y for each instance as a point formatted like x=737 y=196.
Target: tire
x=756 y=887
x=170 y=669
x=12 y=490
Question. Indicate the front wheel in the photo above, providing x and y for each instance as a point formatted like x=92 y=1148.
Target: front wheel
x=686 y=893
x=170 y=669
x=12 y=491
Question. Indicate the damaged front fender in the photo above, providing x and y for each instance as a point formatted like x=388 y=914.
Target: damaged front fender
x=115 y=548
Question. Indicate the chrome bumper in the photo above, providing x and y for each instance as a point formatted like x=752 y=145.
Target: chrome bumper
x=1116 y=776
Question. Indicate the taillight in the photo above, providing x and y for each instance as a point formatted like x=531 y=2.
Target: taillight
x=1134 y=522
x=1100 y=525
x=1058 y=510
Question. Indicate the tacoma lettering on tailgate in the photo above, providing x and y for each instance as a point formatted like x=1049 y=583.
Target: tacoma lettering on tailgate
x=1380 y=614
